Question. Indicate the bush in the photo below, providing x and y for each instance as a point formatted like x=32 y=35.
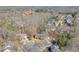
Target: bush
x=64 y=38
x=41 y=29
x=8 y=24
x=41 y=10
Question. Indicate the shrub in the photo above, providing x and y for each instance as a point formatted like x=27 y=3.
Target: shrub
x=8 y=24
x=41 y=10
x=64 y=38
x=41 y=29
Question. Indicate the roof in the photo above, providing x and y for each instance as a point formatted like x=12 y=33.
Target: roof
x=26 y=11
x=41 y=36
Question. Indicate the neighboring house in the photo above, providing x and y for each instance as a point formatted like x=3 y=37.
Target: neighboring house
x=26 y=11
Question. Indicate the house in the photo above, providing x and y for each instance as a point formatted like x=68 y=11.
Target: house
x=26 y=11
